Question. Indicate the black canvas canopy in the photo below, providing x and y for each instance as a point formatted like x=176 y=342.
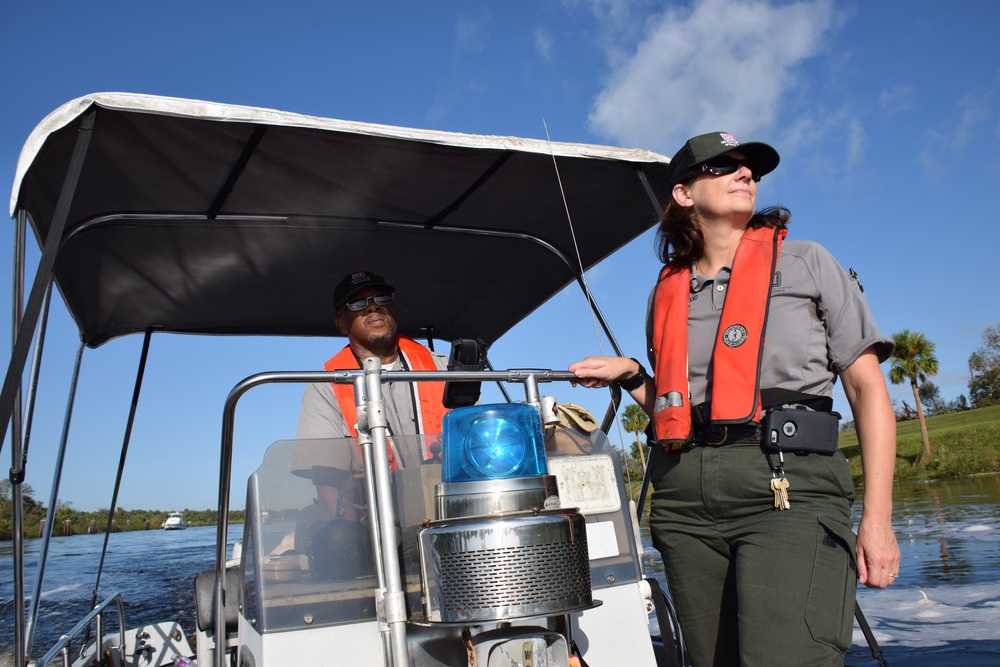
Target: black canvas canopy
x=196 y=217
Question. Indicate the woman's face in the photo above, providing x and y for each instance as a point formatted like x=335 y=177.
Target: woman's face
x=731 y=196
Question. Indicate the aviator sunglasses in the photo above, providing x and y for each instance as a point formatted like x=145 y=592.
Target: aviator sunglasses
x=361 y=302
x=721 y=166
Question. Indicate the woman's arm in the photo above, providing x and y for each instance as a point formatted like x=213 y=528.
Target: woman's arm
x=599 y=372
x=878 y=553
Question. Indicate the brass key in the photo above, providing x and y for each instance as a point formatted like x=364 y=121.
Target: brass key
x=780 y=487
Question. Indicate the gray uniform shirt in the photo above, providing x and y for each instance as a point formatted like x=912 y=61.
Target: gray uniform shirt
x=819 y=323
x=321 y=417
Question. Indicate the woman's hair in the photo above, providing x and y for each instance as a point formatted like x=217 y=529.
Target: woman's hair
x=679 y=239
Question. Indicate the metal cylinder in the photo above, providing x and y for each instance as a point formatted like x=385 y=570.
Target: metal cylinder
x=505 y=567
x=497 y=496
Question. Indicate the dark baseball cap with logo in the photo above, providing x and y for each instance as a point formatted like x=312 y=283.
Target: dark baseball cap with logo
x=354 y=283
x=761 y=158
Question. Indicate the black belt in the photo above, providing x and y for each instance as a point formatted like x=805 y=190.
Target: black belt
x=714 y=434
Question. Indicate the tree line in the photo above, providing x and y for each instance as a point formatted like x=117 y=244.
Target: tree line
x=68 y=520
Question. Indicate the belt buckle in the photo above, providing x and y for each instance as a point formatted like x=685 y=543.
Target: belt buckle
x=725 y=436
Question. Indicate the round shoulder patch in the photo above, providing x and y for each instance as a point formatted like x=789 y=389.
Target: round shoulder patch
x=734 y=335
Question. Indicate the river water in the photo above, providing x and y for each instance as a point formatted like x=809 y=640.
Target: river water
x=944 y=609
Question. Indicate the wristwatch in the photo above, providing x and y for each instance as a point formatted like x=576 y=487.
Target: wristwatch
x=636 y=381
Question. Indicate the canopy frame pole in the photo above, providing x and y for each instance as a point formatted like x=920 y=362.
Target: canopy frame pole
x=16 y=307
x=17 y=302
x=534 y=239
x=44 y=273
x=140 y=373
x=234 y=174
x=36 y=364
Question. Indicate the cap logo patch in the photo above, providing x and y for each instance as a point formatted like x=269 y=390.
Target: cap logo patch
x=729 y=140
x=735 y=335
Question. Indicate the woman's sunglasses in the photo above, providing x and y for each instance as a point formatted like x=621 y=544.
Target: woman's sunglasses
x=721 y=166
x=361 y=302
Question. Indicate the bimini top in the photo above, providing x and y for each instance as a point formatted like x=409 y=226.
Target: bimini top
x=196 y=217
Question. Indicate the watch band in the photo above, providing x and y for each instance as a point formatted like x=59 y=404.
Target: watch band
x=636 y=381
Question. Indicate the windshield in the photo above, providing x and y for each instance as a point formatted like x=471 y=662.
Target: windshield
x=309 y=560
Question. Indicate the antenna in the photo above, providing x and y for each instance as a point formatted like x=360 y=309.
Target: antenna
x=572 y=232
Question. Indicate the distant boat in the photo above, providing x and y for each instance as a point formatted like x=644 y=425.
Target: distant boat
x=175 y=521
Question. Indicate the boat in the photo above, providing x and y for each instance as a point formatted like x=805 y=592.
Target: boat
x=174 y=521
x=482 y=545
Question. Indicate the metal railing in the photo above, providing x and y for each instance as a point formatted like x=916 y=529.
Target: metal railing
x=64 y=646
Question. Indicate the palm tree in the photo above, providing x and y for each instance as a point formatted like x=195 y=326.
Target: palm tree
x=912 y=359
x=634 y=421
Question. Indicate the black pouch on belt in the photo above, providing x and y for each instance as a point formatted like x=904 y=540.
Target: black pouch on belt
x=801 y=430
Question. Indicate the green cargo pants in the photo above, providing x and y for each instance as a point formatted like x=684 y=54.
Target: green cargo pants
x=754 y=585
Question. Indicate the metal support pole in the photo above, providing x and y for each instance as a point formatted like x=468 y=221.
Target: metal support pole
x=17 y=302
x=43 y=274
x=46 y=532
x=140 y=373
x=391 y=604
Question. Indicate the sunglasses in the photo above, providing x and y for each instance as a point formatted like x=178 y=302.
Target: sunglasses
x=361 y=302
x=721 y=166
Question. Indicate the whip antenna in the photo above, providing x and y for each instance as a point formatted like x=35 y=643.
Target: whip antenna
x=613 y=407
x=576 y=247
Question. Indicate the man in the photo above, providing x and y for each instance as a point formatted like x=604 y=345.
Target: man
x=365 y=313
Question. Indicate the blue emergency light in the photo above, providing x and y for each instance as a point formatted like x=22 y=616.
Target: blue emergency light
x=498 y=441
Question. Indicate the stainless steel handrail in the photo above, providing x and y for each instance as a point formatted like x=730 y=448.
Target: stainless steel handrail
x=64 y=645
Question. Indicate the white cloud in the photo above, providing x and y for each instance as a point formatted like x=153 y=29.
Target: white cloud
x=543 y=44
x=716 y=65
x=817 y=126
x=896 y=99
x=974 y=114
x=472 y=32
x=857 y=141
x=974 y=118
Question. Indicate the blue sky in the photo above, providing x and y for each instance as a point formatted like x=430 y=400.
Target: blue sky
x=886 y=115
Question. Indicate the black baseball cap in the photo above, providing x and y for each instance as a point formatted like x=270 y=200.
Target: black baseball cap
x=761 y=158
x=354 y=283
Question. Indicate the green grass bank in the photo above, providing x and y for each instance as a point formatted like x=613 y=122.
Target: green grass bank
x=962 y=443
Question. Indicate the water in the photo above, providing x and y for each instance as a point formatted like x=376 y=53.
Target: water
x=154 y=570
x=943 y=610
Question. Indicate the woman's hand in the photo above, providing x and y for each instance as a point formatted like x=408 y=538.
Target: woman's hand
x=878 y=553
x=599 y=372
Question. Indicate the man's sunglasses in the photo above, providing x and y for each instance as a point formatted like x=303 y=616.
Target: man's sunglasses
x=361 y=302
x=721 y=166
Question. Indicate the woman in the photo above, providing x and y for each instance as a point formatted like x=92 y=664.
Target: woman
x=757 y=543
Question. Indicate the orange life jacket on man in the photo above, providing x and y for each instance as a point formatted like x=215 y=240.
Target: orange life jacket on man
x=429 y=406
x=739 y=343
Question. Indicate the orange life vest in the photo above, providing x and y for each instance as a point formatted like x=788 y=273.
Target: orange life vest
x=739 y=343
x=430 y=395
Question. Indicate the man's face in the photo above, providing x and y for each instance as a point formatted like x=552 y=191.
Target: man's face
x=372 y=325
